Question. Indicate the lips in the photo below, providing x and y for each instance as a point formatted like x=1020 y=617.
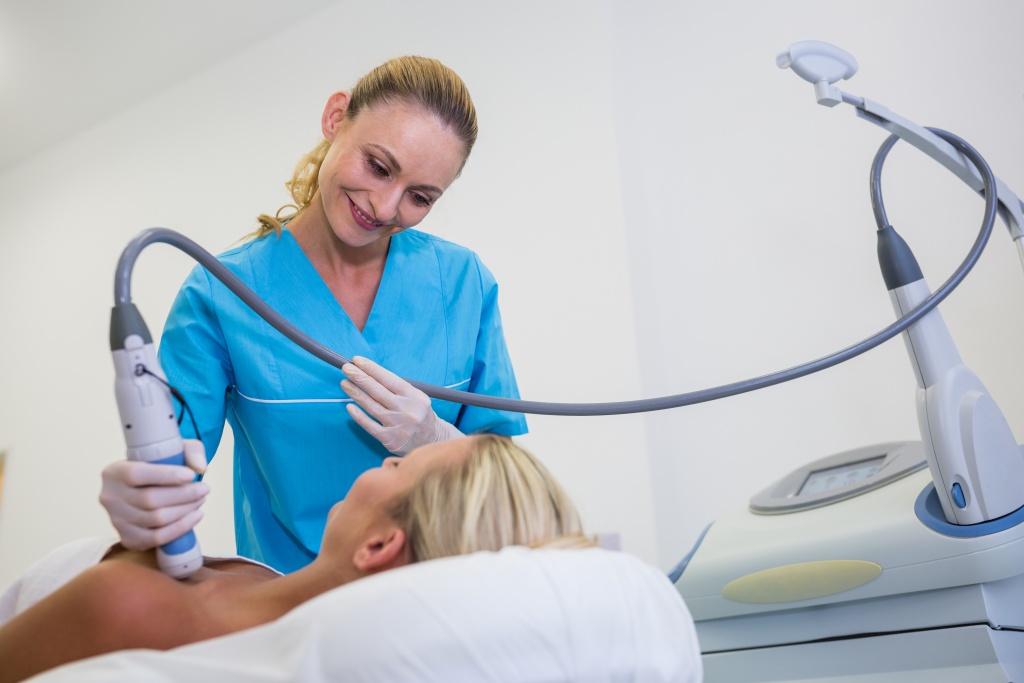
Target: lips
x=362 y=220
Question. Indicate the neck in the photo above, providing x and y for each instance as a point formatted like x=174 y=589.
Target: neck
x=284 y=593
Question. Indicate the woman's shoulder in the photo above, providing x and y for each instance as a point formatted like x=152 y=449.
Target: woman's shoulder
x=414 y=239
x=48 y=574
x=121 y=594
x=451 y=257
x=241 y=259
x=243 y=251
x=204 y=605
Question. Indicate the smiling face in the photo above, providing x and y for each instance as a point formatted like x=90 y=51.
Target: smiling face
x=385 y=168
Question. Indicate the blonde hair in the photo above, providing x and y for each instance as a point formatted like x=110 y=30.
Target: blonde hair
x=500 y=495
x=419 y=81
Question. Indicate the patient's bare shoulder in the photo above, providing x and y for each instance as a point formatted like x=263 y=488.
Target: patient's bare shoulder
x=135 y=606
x=223 y=596
x=112 y=606
x=234 y=565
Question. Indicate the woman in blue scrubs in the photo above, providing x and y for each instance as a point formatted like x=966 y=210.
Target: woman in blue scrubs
x=346 y=268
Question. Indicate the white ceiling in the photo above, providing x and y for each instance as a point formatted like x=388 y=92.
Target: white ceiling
x=66 y=65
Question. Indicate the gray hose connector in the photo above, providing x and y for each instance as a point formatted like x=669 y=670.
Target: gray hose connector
x=899 y=266
x=125 y=320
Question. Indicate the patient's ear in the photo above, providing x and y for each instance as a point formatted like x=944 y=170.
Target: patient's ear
x=385 y=550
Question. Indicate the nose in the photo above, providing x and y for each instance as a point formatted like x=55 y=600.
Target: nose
x=385 y=203
x=391 y=462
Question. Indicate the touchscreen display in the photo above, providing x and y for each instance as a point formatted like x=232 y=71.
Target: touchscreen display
x=831 y=478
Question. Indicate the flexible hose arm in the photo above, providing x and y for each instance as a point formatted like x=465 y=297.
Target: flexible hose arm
x=122 y=287
x=122 y=294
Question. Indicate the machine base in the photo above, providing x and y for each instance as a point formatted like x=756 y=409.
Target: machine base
x=977 y=653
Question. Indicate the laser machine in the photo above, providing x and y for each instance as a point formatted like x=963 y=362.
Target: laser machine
x=896 y=562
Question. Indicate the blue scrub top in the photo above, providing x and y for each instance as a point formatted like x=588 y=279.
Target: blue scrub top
x=435 y=319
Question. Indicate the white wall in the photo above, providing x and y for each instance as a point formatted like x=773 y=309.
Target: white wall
x=750 y=231
x=665 y=210
x=207 y=156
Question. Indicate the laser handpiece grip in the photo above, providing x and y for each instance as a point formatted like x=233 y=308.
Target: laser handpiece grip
x=971 y=450
x=147 y=419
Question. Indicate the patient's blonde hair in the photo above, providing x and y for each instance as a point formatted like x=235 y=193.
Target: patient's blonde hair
x=499 y=495
x=419 y=81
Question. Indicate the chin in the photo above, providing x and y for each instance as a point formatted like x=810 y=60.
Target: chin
x=335 y=510
x=356 y=237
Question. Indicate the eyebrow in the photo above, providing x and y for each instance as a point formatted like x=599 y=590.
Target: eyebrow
x=398 y=167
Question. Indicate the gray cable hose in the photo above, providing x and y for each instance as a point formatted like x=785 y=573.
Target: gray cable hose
x=122 y=295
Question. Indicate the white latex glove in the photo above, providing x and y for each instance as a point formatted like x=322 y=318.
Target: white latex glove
x=151 y=504
x=402 y=416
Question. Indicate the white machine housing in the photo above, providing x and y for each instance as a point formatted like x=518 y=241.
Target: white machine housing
x=861 y=590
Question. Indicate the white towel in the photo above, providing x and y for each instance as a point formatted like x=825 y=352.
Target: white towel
x=50 y=573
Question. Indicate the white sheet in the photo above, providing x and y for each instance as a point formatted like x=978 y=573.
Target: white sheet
x=50 y=573
x=515 y=615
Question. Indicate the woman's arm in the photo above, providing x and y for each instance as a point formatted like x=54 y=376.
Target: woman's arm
x=115 y=605
x=492 y=368
x=193 y=354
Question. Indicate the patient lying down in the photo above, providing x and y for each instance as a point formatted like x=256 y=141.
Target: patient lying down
x=452 y=498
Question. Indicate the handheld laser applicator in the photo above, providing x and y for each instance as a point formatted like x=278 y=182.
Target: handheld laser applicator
x=148 y=420
x=974 y=458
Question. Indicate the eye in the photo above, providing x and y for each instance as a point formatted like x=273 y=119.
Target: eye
x=377 y=168
x=421 y=199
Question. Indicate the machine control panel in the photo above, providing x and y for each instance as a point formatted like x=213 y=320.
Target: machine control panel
x=840 y=476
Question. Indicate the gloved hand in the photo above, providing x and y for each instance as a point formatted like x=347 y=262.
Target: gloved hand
x=151 y=504
x=404 y=417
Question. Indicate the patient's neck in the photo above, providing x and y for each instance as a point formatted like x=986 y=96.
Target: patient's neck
x=284 y=593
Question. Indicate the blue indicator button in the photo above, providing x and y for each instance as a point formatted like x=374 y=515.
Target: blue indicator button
x=958 y=496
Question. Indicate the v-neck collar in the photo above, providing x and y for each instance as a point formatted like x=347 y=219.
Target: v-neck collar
x=327 y=299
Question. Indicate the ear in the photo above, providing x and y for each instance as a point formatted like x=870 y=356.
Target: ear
x=381 y=551
x=334 y=113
